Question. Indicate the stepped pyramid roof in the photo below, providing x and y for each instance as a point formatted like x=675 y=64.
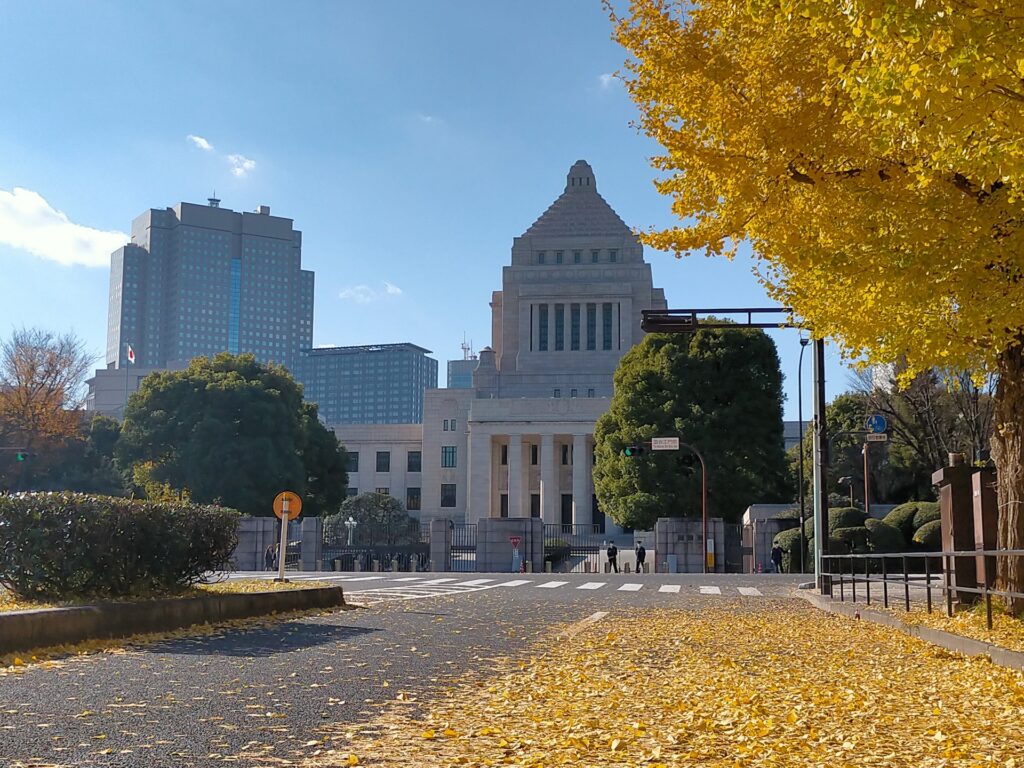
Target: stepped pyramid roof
x=580 y=210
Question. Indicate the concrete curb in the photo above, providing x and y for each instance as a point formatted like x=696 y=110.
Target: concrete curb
x=25 y=630
x=998 y=655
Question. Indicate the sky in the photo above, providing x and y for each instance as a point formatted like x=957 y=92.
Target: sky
x=409 y=141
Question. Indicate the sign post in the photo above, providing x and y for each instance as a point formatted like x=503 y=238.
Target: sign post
x=287 y=506
x=516 y=559
x=876 y=426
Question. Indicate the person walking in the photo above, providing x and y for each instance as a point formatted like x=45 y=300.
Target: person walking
x=268 y=558
x=613 y=557
x=641 y=555
x=777 y=558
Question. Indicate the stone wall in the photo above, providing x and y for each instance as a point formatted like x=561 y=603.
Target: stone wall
x=679 y=540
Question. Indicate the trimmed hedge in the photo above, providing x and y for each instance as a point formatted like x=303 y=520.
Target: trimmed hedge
x=883 y=537
x=927 y=512
x=853 y=540
x=71 y=545
x=928 y=537
x=838 y=517
x=789 y=541
x=902 y=517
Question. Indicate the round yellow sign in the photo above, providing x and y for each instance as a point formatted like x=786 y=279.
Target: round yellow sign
x=294 y=504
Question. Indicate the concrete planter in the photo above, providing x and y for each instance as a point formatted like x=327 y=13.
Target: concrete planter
x=24 y=630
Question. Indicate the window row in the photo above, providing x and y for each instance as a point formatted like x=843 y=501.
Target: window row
x=558 y=257
x=573 y=392
x=414 y=460
x=566 y=454
x=413 y=496
x=544 y=316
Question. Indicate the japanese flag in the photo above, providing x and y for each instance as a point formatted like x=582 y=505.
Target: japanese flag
x=131 y=355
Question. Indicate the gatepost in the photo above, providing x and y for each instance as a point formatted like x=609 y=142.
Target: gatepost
x=956 y=509
x=440 y=544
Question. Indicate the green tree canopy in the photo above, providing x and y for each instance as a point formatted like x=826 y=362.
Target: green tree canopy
x=232 y=431
x=381 y=521
x=719 y=390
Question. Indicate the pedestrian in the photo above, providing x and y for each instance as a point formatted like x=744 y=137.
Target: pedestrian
x=268 y=558
x=613 y=557
x=641 y=555
x=777 y=558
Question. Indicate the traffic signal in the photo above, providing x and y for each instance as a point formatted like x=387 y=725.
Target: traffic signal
x=631 y=451
x=21 y=456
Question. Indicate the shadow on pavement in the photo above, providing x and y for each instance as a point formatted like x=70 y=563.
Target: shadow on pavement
x=261 y=641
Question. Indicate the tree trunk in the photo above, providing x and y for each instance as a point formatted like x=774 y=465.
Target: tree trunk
x=1008 y=454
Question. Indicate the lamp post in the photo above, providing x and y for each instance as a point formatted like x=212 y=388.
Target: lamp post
x=848 y=481
x=804 y=341
x=351 y=525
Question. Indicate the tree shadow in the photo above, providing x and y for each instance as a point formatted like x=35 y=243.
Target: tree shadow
x=261 y=641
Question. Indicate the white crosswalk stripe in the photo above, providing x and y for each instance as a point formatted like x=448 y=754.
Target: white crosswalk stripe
x=750 y=591
x=411 y=578
x=673 y=588
x=631 y=587
x=552 y=584
x=592 y=585
x=513 y=583
x=711 y=590
x=476 y=582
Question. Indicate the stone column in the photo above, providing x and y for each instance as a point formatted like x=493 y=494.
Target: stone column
x=515 y=476
x=478 y=475
x=580 y=469
x=548 y=487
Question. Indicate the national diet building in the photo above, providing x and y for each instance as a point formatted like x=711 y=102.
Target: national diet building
x=520 y=441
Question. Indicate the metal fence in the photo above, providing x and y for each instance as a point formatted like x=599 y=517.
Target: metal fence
x=463 y=552
x=573 y=547
x=916 y=576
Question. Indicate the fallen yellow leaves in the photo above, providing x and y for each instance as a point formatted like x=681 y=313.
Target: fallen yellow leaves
x=782 y=685
x=1006 y=632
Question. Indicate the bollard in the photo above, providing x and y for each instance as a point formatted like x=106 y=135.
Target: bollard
x=547 y=566
x=394 y=565
x=357 y=566
x=376 y=566
x=528 y=566
x=586 y=567
x=625 y=568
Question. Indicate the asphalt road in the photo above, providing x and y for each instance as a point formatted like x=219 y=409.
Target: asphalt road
x=268 y=690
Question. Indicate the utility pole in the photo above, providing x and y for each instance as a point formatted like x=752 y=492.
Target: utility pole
x=820 y=470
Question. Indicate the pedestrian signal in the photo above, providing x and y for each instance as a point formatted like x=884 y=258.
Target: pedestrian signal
x=636 y=449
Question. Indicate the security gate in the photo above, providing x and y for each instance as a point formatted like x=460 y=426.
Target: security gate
x=573 y=548
x=463 y=556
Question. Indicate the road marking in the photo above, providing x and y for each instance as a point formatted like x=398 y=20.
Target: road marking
x=514 y=583
x=475 y=582
x=360 y=578
x=749 y=591
x=552 y=584
x=669 y=588
x=592 y=585
x=710 y=590
x=409 y=578
x=436 y=581
x=572 y=629
x=631 y=587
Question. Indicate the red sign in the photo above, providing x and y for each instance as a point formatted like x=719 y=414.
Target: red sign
x=515 y=541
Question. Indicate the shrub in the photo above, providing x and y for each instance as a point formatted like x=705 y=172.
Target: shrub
x=883 y=537
x=69 y=545
x=902 y=517
x=928 y=538
x=855 y=540
x=838 y=517
x=790 y=542
x=927 y=512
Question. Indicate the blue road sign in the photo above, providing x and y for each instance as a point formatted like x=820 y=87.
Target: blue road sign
x=876 y=423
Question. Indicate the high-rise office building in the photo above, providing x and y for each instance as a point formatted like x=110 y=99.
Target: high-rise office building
x=201 y=279
x=377 y=384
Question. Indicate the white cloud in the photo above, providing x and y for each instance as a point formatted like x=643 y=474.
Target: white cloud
x=364 y=294
x=29 y=223
x=241 y=165
x=607 y=80
x=200 y=142
x=425 y=118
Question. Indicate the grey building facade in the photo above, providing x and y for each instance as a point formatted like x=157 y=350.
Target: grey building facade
x=378 y=384
x=460 y=373
x=201 y=279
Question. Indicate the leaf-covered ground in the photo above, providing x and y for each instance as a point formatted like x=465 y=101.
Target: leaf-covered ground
x=1007 y=631
x=779 y=685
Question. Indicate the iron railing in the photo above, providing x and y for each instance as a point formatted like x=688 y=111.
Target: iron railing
x=917 y=571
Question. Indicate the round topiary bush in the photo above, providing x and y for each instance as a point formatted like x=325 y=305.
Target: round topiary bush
x=927 y=512
x=73 y=545
x=883 y=537
x=902 y=517
x=854 y=539
x=928 y=538
x=838 y=517
x=789 y=541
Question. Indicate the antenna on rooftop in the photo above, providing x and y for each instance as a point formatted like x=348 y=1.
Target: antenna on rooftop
x=467 y=349
x=214 y=201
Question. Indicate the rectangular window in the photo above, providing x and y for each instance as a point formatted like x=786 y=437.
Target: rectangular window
x=565 y=455
x=444 y=427
x=533 y=455
x=573 y=393
x=448 y=456
x=558 y=257
x=384 y=491
x=613 y=255
x=574 y=327
x=542 y=326
x=415 y=462
x=412 y=499
x=447 y=494
x=504 y=505
x=383 y=461
x=453 y=425
x=591 y=326
x=559 y=327
x=606 y=326
x=504 y=454
x=541 y=257
x=352 y=463
x=590 y=393
x=577 y=256
x=558 y=393
x=534 y=505
x=351 y=491
x=594 y=254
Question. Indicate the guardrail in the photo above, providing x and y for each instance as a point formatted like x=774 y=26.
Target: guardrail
x=876 y=568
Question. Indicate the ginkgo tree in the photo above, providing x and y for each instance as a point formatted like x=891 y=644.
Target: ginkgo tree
x=872 y=153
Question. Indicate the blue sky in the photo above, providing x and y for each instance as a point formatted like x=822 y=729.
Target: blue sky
x=410 y=141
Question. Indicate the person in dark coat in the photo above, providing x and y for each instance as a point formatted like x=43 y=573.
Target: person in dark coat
x=641 y=555
x=268 y=558
x=777 y=558
x=613 y=556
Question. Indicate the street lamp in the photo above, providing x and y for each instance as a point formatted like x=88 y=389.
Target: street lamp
x=848 y=481
x=804 y=341
x=351 y=525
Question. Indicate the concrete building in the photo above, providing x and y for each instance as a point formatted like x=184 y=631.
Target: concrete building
x=201 y=279
x=460 y=373
x=519 y=443
x=378 y=384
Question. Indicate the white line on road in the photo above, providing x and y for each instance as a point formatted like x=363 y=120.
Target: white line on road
x=409 y=578
x=572 y=629
x=631 y=587
x=552 y=584
x=592 y=585
x=475 y=582
x=674 y=588
x=710 y=590
x=360 y=578
x=749 y=591
x=436 y=581
x=514 y=583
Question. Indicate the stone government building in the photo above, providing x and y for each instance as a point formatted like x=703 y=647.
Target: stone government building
x=519 y=442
